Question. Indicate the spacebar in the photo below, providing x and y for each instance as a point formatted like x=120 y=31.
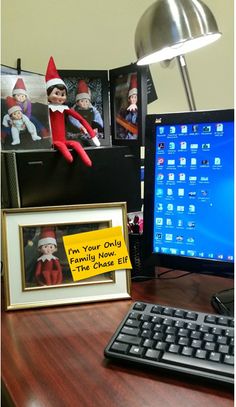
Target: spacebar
x=195 y=363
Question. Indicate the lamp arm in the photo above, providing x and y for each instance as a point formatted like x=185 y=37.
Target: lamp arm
x=186 y=81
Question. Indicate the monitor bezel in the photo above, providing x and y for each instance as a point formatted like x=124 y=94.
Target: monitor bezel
x=177 y=262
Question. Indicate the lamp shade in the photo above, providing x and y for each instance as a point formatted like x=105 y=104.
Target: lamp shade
x=169 y=28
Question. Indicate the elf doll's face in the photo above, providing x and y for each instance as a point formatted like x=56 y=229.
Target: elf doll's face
x=48 y=248
x=57 y=96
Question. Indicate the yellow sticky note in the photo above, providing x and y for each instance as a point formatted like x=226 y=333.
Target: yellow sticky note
x=96 y=252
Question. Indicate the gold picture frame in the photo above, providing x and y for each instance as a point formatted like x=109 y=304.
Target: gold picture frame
x=22 y=228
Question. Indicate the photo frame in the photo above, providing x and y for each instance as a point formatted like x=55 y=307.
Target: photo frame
x=128 y=96
x=29 y=227
x=24 y=113
x=92 y=84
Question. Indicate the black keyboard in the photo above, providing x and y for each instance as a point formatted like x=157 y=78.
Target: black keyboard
x=176 y=339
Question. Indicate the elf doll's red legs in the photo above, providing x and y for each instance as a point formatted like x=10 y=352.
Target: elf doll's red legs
x=81 y=152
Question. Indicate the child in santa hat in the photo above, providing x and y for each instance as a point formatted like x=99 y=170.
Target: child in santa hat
x=84 y=107
x=132 y=110
x=18 y=122
x=48 y=269
x=57 y=95
x=19 y=93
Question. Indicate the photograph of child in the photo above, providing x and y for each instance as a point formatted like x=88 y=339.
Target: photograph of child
x=24 y=113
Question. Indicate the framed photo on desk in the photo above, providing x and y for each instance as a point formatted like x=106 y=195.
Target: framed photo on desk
x=88 y=96
x=36 y=270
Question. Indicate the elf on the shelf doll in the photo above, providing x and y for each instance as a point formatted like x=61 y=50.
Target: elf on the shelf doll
x=57 y=95
x=48 y=269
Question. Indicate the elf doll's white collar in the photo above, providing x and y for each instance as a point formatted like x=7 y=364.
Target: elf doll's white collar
x=47 y=257
x=58 y=108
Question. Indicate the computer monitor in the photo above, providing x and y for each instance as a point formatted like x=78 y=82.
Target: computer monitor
x=189 y=191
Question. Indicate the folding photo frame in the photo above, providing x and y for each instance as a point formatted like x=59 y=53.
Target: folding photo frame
x=29 y=284
x=24 y=113
x=128 y=98
x=93 y=87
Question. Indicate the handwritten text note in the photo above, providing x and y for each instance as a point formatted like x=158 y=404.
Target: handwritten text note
x=96 y=252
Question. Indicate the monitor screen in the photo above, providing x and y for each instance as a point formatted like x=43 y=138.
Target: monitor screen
x=189 y=191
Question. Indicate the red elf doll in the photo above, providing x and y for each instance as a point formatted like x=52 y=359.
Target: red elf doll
x=48 y=269
x=57 y=95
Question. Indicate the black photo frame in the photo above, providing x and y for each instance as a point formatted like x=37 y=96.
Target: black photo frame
x=97 y=82
x=122 y=129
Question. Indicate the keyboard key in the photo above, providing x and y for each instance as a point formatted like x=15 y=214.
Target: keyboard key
x=229 y=360
x=191 y=315
x=196 y=363
x=152 y=354
x=130 y=330
x=222 y=321
x=132 y=340
x=187 y=351
x=200 y=354
x=136 y=350
x=120 y=347
x=139 y=306
x=215 y=356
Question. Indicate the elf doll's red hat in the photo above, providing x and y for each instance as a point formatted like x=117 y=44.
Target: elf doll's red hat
x=12 y=105
x=52 y=76
x=133 y=87
x=83 y=91
x=47 y=236
x=19 y=88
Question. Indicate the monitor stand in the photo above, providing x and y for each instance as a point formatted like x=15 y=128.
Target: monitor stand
x=223 y=302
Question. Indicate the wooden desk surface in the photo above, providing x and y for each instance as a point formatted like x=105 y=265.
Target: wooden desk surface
x=54 y=357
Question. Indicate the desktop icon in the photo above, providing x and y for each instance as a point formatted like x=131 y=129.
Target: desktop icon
x=172 y=129
x=217 y=161
x=171 y=145
x=161 y=129
x=219 y=127
x=194 y=146
x=180 y=191
x=191 y=208
x=160 y=177
x=161 y=146
x=171 y=176
x=206 y=146
x=182 y=161
x=206 y=129
x=193 y=161
x=184 y=128
x=170 y=207
x=159 y=221
x=159 y=192
x=183 y=145
x=160 y=161
x=171 y=162
x=169 y=236
x=205 y=162
x=182 y=176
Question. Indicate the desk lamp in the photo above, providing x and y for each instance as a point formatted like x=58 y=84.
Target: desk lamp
x=172 y=28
